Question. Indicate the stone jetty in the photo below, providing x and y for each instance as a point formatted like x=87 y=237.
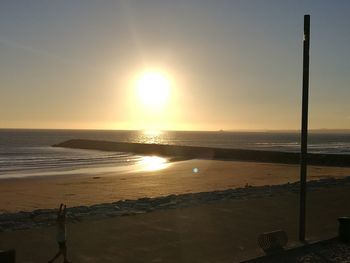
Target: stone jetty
x=195 y=152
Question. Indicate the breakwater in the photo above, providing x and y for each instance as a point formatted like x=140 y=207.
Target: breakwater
x=196 y=152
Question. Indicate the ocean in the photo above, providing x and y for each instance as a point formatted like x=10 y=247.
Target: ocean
x=29 y=153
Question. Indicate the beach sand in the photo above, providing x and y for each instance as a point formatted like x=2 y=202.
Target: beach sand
x=224 y=231
x=27 y=194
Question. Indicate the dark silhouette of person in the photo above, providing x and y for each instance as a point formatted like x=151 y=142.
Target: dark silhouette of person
x=61 y=237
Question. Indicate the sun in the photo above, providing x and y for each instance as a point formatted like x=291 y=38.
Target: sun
x=153 y=89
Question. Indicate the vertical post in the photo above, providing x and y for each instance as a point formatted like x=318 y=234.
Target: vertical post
x=304 y=123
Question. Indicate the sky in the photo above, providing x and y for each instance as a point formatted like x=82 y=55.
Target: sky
x=231 y=65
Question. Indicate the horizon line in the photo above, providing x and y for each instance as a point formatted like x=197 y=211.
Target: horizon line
x=212 y=130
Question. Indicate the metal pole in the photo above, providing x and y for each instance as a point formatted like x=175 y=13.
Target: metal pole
x=304 y=122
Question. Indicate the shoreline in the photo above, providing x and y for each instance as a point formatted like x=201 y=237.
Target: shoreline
x=46 y=217
x=80 y=170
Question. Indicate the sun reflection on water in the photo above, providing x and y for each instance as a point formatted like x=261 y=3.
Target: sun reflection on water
x=151 y=136
x=153 y=163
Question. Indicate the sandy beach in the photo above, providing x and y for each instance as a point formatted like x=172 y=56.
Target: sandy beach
x=27 y=194
x=219 y=231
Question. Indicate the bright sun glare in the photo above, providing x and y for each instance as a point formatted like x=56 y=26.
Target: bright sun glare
x=153 y=163
x=153 y=89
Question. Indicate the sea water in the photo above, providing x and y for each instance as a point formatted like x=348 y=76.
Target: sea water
x=30 y=152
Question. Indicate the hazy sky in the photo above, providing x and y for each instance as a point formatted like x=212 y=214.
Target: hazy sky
x=230 y=64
